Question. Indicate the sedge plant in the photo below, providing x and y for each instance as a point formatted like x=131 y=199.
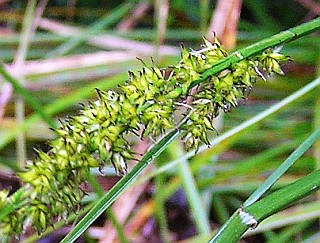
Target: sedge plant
x=184 y=98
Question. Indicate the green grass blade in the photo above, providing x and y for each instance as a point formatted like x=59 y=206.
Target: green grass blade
x=62 y=104
x=19 y=59
x=309 y=211
x=123 y=184
x=95 y=185
x=278 y=39
x=194 y=199
x=28 y=97
x=263 y=15
x=195 y=203
x=105 y=22
x=275 y=202
x=220 y=208
x=160 y=210
x=283 y=168
x=230 y=133
x=107 y=200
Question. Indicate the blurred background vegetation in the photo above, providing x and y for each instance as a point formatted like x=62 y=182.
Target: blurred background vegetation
x=60 y=50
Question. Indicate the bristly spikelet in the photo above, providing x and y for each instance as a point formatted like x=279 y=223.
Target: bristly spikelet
x=147 y=105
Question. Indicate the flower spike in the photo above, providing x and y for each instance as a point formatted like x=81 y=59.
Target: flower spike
x=147 y=105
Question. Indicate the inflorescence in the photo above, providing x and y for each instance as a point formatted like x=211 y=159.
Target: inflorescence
x=147 y=105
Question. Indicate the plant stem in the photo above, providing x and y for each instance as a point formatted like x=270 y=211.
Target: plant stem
x=121 y=185
x=28 y=97
x=124 y=183
x=278 y=39
x=240 y=128
x=203 y=15
x=195 y=201
x=113 y=194
x=277 y=201
x=20 y=57
x=109 y=213
x=283 y=168
x=160 y=210
x=234 y=228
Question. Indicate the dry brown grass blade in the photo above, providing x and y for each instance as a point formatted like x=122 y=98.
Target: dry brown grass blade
x=108 y=41
x=312 y=6
x=5 y=96
x=224 y=22
x=60 y=64
x=143 y=214
x=130 y=22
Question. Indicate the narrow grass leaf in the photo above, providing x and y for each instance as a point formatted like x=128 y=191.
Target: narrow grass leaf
x=235 y=227
x=123 y=184
x=297 y=214
x=94 y=183
x=62 y=104
x=283 y=168
x=243 y=126
x=105 y=22
x=160 y=210
x=194 y=199
x=28 y=97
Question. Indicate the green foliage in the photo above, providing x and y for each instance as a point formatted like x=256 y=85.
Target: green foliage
x=149 y=101
x=160 y=104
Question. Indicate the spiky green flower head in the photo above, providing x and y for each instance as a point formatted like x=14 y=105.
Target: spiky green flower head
x=149 y=104
x=221 y=92
x=271 y=61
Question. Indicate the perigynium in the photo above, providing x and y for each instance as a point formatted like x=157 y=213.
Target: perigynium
x=147 y=105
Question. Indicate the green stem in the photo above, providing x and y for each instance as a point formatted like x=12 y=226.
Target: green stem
x=277 y=201
x=20 y=57
x=121 y=185
x=240 y=128
x=223 y=232
x=109 y=213
x=111 y=196
x=160 y=211
x=194 y=199
x=28 y=97
x=204 y=15
x=283 y=168
x=124 y=183
x=316 y=148
x=26 y=35
x=220 y=208
x=258 y=47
